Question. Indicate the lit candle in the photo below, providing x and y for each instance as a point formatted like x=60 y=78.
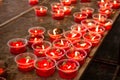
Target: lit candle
x=67 y=68
x=67 y=10
x=55 y=6
x=66 y=2
x=115 y=4
x=17 y=45
x=45 y=66
x=33 y=2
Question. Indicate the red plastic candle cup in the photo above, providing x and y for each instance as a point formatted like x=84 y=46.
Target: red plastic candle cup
x=67 y=10
x=101 y=18
x=55 y=6
x=82 y=44
x=106 y=5
x=108 y=24
x=87 y=10
x=78 y=16
x=62 y=44
x=45 y=67
x=89 y=23
x=67 y=68
x=25 y=61
x=36 y=31
x=32 y=40
x=73 y=1
x=97 y=29
x=79 y=28
x=58 y=14
x=66 y=2
x=33 y=2
x=54 y=34
x=2 y=78
x=94 y=38
x=40 y=10
x=41 y=47
x=115 y=4
x=102 y=2
x=55 y=53
x=72 y=35
x=77 y=54
x=17 y=45
x=84 y=1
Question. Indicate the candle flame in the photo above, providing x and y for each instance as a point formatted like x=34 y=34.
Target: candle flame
x=97 y=28
x=45 y=64
x=79 y=28
x=54 y=31
x=90 y=24
x=102 y=0
x=83 y=44
x=43 y=47
x=17 y=44
x=35 y=31
x=99 y=17
x=52 y=53
x=73 y=34
x=115 y=2
x=35 y=39
x=76 y=53
x=105 y=5
x=93 y=38
x=108 y=23
x=62 y=43
x=41 y=9
x=27 y=60
x=69 y=66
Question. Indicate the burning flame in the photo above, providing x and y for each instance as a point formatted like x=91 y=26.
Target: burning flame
x=90 y=24
x=79 y=28
x=27 y=60
x=41 y=9
x=83 y=44
x=76 y=53
x=17 y=45
x=45 y=64
x=108 y=23
x=69 y=66
x=43 y=47
x=97 y=28
x=35 y=31
x=102 y=0
x=52 y=53
x=93 y=38
x=62 y=43
x=115 y=2
x=73 y=34
x=54 y=31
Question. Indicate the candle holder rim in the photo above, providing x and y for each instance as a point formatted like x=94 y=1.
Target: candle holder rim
x=44 y=58
x=97 y=14
x=68 y=60
x=48 y=42
x=41 y=6
x=75 y=13
x=37 y=27
x=14 y=39
x=67 y=52
x=23 y=55
x=51 y=30
x=88 y=20
x=81 y=9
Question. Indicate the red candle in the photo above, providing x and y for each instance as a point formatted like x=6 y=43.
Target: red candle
x=32 y=40
x=94 y=38
x=25 y=61
x=107 y=12
x=45 y=67
x=78 y=16
x=62 y=44
x=100 y=17
x=58 y=15
x=41 y=10
x=66 y=2
x=77 y=54
x=33 y=2
x=67 y=68
x=55 y=53
x=17 y=45
x=41 y=47
x=97 y=29
x=72 y=35
x=55 y=6
x=101 y=2
x=73 y=1
x=79 y=28
x=83 y=44
x=89 y=23
x=83 y=1
x=36 y=31
x=106 y=5
x=67 y=10
x=115 y=4
x=87 y=10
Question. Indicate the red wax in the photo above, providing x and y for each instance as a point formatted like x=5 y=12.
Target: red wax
x=66 y=2
x=32 y=40
x=78 y=16
x=40 y=48
x=56 y=6
x=78 y=55
x=41 y=11
x=115 y=4
x=107 y=12
x=58 y=15
x=17 y=47
x=67 y=69
x=24 y=65
x=45 y=67
x=67 y=10
x=55 y=53
x=82 y=44
x=33 y=2
x=79 y=28
x=93 y=38
x=72 y=35
x=85 y=0
x=73 y=1
x=36 y=31
x=87 y=10
x=62 y=44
